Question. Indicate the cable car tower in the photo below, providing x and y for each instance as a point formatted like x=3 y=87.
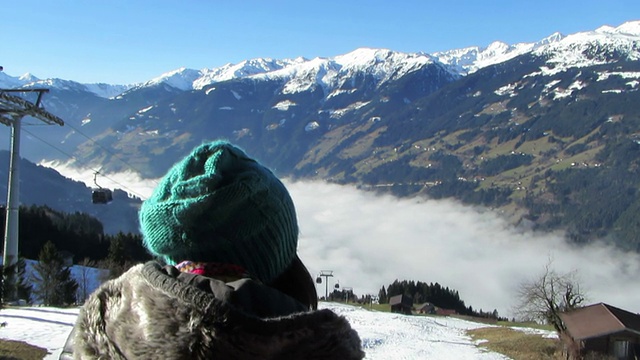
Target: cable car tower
x=12 y=110
x=326 y=274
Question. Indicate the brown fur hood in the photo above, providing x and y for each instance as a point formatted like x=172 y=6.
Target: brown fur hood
x=152 y=312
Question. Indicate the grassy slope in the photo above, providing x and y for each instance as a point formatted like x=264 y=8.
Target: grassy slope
x=10 y=350
x=516 y=344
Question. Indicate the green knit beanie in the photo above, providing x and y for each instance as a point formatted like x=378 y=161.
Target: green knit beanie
x=219 y=205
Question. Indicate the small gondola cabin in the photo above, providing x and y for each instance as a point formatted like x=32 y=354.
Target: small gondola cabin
x=101 y=196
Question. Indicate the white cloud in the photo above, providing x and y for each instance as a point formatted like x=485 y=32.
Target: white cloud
x=370 y=240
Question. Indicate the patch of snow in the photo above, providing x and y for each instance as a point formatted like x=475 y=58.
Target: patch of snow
x=284 y=105
x=338 y=113
x=561 y=93
x=623 y=74
x=506 y=90
x=311 y=126
x=141 y=111
x=547 y=334
x=551 y=84
x=393 y=336
x=577 y=85
x=338 y=92
x=45 y=327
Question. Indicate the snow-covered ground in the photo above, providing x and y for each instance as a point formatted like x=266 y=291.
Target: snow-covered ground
x=44 y=327
x=384 y=335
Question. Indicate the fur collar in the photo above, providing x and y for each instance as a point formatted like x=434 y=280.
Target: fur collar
x=151 y=313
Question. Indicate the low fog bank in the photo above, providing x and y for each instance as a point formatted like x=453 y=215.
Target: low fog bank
x=369 y=240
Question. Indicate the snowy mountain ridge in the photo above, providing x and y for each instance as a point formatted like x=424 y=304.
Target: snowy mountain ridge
x=471 y=59
x=30 y=81
x=585 y=48
x=383 y=64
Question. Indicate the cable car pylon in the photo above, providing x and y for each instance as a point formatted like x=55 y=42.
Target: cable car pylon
x=12 y=110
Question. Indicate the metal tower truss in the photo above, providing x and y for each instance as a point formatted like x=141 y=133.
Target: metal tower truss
x=12 y=107
x=12 y=110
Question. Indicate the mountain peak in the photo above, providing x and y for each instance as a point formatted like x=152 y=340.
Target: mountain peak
x=631 y=28
x=28 y=78
x=181 y=78
x=555 y=37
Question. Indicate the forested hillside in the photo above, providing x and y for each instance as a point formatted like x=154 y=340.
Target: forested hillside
x=78 y=234
x=434 y=293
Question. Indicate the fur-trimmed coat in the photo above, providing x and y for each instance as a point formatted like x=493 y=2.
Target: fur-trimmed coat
x=155 y=312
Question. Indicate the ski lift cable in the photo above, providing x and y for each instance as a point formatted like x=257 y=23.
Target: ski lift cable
x=83 y=163
x=84 y=166
x=131 y=167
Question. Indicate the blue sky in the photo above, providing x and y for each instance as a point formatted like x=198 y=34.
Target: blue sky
x=128 y=41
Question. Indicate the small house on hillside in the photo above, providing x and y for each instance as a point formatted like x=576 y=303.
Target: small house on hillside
x=604 y=329
x=426 y=308
x=401 y=304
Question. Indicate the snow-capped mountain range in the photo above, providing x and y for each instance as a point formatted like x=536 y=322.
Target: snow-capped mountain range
x=438 y=124
x=384 y=64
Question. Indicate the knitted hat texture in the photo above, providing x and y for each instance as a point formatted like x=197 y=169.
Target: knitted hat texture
x=219 y=205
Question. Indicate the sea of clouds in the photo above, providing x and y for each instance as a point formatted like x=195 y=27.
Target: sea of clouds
x=369 y=240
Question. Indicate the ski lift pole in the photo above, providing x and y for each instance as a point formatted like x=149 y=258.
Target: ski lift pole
x=12 y=211
x=12 y=110
x=326 y=274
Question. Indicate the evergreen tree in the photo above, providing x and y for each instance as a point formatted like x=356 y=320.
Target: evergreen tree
x=382 y=296
x=9 y=283
x=54 y=284
x=125 y=250
x=23 y=286
x=116 y=259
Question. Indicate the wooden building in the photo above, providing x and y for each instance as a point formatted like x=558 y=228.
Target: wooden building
x=445 y=312
x=401 y=304
x=426 y=308
x=604 y=329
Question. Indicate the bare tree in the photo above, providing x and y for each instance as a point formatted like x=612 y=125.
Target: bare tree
x=544 y=298
x=84 y=281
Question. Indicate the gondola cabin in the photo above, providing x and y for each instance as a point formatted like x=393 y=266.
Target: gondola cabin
x=101 y=196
